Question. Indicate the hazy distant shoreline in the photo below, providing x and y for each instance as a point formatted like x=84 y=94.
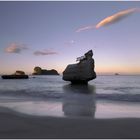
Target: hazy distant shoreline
x=60 y=74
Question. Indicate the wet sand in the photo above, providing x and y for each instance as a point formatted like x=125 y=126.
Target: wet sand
x=18 y=125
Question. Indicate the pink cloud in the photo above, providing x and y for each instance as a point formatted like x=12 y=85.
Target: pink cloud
x=110 y=19
x=15 y=48
x=116 y=17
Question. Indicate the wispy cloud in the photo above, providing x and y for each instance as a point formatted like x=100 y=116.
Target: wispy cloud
x=111 y=19
x=70 y=43
x=45 y=52
x=85 y=28
x=116 y=17
x=15 y=48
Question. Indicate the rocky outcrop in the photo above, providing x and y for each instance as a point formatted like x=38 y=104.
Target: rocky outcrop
x=40 y=71
x=18 y=72
x=17 y=75
x=81 y=72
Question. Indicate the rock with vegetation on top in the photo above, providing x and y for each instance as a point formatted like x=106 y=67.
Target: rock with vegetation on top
x=18 y=72
x=81 y=72
x=17 y=75
x=40 y=71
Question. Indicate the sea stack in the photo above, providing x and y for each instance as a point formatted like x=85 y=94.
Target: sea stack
x=40 y=71
x=82 y=72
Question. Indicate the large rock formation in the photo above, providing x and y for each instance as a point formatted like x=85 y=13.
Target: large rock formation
x=40 y=71
x=81 y=72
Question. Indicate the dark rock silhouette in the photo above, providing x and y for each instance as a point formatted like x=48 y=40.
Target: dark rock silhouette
x=18 y=72
x=81 y=72
x=17 y=75
x=40 y=71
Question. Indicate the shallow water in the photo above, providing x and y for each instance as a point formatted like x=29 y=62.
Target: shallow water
x=104 y=97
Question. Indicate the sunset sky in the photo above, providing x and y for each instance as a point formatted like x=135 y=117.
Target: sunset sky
x=53 y=34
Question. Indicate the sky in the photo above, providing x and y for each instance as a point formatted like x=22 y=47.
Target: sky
x=52 y=34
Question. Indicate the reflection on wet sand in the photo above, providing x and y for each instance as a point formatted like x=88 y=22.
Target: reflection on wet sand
x=79 y=100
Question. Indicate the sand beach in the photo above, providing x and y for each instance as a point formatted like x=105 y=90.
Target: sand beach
x=18 y=125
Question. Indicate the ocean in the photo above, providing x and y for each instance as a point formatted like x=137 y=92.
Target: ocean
x=107 y=96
